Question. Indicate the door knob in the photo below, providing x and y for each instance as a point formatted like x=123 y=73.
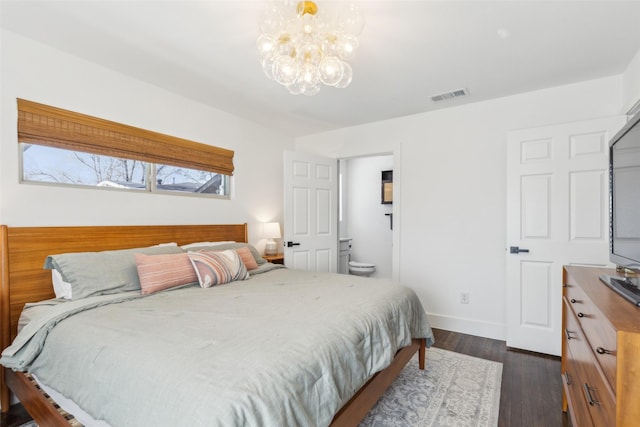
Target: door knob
x=517 y=250
x=292 y=244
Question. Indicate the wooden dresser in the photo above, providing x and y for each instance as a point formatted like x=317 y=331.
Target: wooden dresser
x=600 y=351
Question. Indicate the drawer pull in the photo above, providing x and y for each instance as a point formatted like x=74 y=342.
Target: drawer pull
x=573 y=300
x=601 y=350
x=567 y=379
x=580 y=314
x=568 y=334
x=590 y=399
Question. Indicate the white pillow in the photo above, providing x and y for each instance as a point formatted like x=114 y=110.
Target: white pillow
x=197 y=244
x=61 y=288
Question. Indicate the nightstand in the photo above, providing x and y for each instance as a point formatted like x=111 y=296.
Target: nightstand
x=275 y=259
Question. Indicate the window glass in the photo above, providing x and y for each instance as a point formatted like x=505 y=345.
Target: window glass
x=174 y=178
x=48 y=164
x=59 y=166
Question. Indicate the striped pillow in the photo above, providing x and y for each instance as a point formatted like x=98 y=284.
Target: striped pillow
x=247 y=258
x=216 y=268
x=159 y=272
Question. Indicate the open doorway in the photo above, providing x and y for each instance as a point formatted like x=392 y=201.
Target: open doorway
x=363 y=217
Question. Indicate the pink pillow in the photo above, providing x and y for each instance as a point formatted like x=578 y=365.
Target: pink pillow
x=247 y=258
x=159 y=272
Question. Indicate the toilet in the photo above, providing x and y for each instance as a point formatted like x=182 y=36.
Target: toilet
x=361 y=268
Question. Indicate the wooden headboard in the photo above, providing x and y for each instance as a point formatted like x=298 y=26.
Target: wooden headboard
x=23 y=251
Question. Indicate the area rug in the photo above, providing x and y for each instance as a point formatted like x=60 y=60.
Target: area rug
x=453 y=390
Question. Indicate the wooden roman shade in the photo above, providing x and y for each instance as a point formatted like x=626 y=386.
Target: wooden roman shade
x=44 y=125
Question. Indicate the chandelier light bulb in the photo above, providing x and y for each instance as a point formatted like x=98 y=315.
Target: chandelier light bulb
x=347 y=76
x=331 y=70
x=265 y=45
x=347 y=46
x=285 y=70
x=302 y=48
x=309 y=74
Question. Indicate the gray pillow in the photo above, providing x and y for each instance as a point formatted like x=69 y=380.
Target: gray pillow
x=102 y=273
x=234 y=245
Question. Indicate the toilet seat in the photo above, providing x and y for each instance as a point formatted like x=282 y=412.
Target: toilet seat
x=361 y=268
x=361 y=264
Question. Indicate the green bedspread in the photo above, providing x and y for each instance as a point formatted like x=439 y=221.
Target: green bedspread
x=284 y=348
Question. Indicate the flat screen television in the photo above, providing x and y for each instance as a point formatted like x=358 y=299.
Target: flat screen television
x=624 y=210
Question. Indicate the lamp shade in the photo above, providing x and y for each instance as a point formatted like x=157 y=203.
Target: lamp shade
x=271 y=230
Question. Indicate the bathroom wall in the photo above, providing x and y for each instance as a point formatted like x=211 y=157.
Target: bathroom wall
x=365 y=216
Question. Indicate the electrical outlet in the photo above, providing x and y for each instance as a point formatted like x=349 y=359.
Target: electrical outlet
x=464 y=297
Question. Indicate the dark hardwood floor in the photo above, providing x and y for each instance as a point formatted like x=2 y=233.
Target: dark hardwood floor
x=531 y=393
x=15 y=417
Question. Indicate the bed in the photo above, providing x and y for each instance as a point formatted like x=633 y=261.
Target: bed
x=321 y=384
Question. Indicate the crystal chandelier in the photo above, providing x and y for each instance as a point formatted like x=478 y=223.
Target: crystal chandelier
x=302 y=48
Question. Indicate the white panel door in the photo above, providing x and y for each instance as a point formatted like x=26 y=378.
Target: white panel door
x=310 y=212
x=557 y=211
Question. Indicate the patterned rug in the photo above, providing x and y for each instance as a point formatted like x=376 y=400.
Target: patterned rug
x=453 y=390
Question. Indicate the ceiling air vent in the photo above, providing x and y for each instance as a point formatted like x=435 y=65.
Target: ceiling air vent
x=446 y=96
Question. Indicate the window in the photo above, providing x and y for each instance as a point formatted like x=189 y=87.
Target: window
x=63 y=147
x=56 y=165
x=66 y=167
x=172 y=178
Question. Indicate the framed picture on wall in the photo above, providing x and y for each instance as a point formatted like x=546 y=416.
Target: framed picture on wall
x=387 y=192
x=387 y=187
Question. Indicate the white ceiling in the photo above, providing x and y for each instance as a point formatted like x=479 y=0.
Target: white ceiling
x=409 y=51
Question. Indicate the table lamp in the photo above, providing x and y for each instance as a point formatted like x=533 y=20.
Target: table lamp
x=270 y=231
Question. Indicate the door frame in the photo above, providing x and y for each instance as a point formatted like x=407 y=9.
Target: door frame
x=396 y=152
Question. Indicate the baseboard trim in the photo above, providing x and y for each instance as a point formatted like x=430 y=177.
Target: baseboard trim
x=496 y=331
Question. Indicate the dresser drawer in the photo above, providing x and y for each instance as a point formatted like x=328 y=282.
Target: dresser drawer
x=578 y=411
x=594 y=392
x=601 y=336
x=601 y=405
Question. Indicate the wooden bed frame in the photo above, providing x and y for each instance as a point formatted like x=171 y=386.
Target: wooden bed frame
x=23 y=251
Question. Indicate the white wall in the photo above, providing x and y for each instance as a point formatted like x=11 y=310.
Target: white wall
x=367 y=224
x=452 y=210
x=36 y=72
x=631 y=83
